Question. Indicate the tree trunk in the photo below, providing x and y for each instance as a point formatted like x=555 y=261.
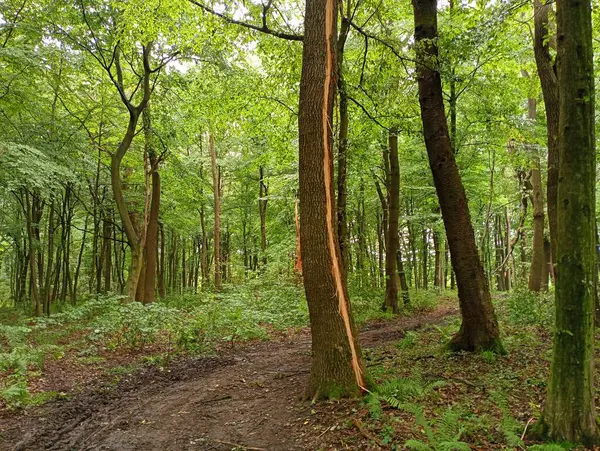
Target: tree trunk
x=32 y=260
x=48 y=279
x=204 y=256
x=133 y=240
x=547 y=265
x=381 y=226
x=107 y=232
x=402 y=279
x=479 y=329
x=538 y=259
x=546 y=69
x=425 y=260
x=336 y=367
x=184 y=265
x=342 y=160
x=569 y=413
x=149 y=288
x=263 y=193
x=217 y=206
x=391 y=251
x=536 y=268
x=161 y=277
x=298 y=262
x=79 y=259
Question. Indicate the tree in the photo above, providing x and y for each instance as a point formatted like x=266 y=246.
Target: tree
x=336 y=366
x=569 y=413
x=217 y=205
x=152 y=232
x=391 y=242
x=542 y=44
x=479 y=329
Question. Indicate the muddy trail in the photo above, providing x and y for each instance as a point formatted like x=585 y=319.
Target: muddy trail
x=246 y=398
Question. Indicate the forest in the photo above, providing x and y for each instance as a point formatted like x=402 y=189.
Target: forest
x=285 y=225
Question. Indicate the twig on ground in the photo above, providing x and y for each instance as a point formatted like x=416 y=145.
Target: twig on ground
x=237 y=445
x=361 y=427
x=526 y=426
x=456 y=379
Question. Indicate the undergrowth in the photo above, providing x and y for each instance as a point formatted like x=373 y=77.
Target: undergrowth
x=427 y=398
x=100 y=326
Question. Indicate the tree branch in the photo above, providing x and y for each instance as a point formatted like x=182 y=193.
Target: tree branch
x=263 y=29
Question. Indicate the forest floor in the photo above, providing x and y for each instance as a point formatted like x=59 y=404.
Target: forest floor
x=247 y=396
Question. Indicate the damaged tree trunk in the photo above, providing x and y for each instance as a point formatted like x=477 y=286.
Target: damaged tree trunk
x=336 y=367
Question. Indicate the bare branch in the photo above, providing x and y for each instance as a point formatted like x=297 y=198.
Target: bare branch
x=367 y=113
x=263 y=29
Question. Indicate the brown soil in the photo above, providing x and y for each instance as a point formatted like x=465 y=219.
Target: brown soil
x=246 y=398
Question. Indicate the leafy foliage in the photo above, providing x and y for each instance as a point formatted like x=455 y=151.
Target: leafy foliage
x=442 y=435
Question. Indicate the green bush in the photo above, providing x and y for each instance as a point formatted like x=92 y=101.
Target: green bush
x=524 y=307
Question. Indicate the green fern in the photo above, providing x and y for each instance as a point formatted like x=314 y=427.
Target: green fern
x=442 y=435
x=398 y=392
x=373 y=403
x=547 y=447
x=510 y=427
x=416 y=445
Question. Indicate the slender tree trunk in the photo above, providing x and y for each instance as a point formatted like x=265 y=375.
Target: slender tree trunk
x=402 y=279
x=538 y=260
x=542 y=44
x=184 y=264
x=479 y=329
x=425 y=261
x=263 y=193
x=342 y=160
x=547 y=264
x=149 y=287
x=79 y=260
x=336 y=368
x=391 y=251
x=381 y=226
x=569 y=413
x=47 y=291
x=161 y=277
x=107 y=243
x=32 y=260
x=298 y=263
x=537 y=199
x=217 y=206
x=204 y=256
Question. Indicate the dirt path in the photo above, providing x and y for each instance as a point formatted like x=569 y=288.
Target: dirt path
x=247 y=397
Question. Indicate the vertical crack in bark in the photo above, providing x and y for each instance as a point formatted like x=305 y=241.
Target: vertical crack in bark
x=335 y=264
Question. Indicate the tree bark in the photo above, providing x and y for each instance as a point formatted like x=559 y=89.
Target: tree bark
x=161 y=277
x=538 y=260
x=107 y=243
x=336 y=367
x=32 y=260
x=479 y=329
x=263 y=193
x=149 y=288
x=342 y=160
x=425 y=261
x=136 y=243
x=546 y=69
x=402 y=279
x=536 y=268
x=217 y=207
x=569 y=413
x=391 y=251
x=204 y=255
